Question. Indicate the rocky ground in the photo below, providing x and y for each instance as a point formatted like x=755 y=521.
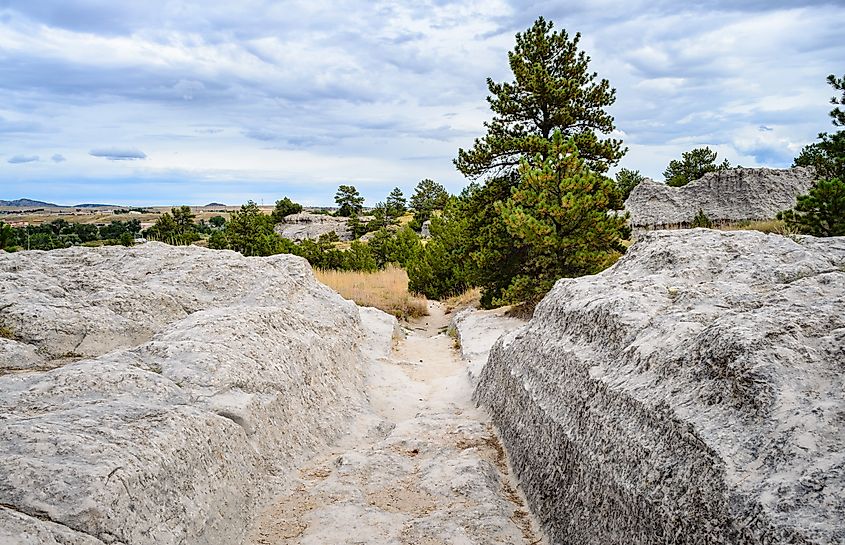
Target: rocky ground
x=425 y=467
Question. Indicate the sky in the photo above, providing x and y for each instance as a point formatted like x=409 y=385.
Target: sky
x=178 y=102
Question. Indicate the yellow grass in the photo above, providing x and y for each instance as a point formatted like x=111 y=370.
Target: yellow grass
x=777 y=227
x=469 y=298
x=386 y=290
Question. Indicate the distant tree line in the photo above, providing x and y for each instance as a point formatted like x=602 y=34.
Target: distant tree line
x=62 y=234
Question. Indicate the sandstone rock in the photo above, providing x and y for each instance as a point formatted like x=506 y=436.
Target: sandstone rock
x=476 y=331
x=693 y=393
x=730 y=195
x=202 y=374
x=306 y=225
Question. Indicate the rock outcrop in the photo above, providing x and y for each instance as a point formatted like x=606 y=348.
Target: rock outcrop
x=308 y=226
x=476 y=331
x=182 y=380
x=692 y=393
x=737 y=194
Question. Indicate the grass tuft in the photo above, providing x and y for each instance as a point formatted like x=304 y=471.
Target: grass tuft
x=469 y=298
x=386 y=290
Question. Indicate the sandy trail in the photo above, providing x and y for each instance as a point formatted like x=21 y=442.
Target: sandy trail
x=423 y=468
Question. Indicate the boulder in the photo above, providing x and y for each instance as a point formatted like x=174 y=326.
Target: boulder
x=732 y=195
x=308 y=226
x=425 y=230
x=692 y=393
x=184 y=379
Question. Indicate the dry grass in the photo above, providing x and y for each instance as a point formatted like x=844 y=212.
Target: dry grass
x=386 y=290
x=777 y=227
x=469 y=298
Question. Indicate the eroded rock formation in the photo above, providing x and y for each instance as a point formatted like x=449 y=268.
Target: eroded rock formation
x=180 y=380
x=732 y=195
x=308 y=226
x=693 y=393
x=476 y=331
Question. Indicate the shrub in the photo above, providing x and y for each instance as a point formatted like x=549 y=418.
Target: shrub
x=821 y=212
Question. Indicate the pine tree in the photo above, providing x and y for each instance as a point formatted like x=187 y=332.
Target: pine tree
x=837 y=113
x=285 y=207
x=559 y=213
x=827 y=156
x=821 y=212
x=428 y=197
x=626 y=181
x=349 y=201
x=395 y=204
x=693 y=165
x=552 y=90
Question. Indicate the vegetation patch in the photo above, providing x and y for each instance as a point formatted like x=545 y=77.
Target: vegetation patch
x=386 y=290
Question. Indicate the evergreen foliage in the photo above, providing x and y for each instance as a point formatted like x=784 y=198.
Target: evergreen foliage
x=394 y=246
x=428 y=197
x=693 y=165
x=701 y=220
x=553 y=90
x=395 y=204
x=559 y=214
x=821 y=212
x=176 y=227
x=838 y=114
x=349 y=201
x=285 y=207
x=827 y=156
x=626 y=181
x=440 y=268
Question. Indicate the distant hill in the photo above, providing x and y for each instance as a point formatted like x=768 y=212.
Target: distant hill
x=28 y=203
x=90 y=205
x=215 y=205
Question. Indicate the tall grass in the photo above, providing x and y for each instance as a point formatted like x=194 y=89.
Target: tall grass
x=386 y=290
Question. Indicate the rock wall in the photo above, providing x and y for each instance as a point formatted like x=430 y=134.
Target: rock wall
x=476 y=331
x=736 y=194
x=306 y=225
x=180 y=381
x=692 y=393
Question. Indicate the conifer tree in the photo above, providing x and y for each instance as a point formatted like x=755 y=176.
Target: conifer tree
x=558 y=213
x=552 y=90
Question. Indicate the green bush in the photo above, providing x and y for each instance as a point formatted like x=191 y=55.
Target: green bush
x=821 y=212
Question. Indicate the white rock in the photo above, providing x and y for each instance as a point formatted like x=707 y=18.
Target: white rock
x=306 y=225
x=692 y=393
x=205 y=374
x=476 y=331
x=733 y=195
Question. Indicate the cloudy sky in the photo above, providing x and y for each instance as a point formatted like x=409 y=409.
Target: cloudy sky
x=170 y=102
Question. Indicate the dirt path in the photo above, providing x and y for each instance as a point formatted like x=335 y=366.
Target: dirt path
x=424 y=468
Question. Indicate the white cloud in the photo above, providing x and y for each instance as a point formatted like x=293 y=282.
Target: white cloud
x=307 y=95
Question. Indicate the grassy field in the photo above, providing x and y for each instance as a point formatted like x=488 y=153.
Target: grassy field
x=386 y=290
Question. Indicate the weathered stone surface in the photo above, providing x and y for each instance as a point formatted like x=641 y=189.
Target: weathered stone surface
x=736 y=194
x=476 y=331
x=425 y=230
x=692 y=393
x=202 y=374
x=309 y=226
